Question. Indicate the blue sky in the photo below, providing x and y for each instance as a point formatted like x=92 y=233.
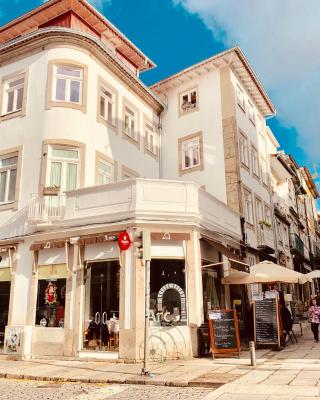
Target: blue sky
x=178 y=33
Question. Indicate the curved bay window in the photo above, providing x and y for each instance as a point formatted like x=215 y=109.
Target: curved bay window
x=167 y=292
x=51 y=296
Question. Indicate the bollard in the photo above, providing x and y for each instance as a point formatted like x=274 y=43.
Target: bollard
x=252 y=354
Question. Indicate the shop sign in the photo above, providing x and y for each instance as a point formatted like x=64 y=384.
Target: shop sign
x=168 y=236
x=13 y=339
x=124 y=240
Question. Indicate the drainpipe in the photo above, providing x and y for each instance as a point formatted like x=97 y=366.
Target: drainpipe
x=160 y=145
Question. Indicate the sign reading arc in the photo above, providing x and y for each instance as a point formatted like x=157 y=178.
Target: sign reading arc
x=169 y=236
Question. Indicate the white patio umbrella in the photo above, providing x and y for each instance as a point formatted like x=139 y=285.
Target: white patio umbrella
x=314 y=274
x=264 y=272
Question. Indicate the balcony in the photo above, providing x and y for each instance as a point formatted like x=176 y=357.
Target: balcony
x=156 y=201
x=265 y=239
x=280 y=206
x=297 y=244
x=46 y=209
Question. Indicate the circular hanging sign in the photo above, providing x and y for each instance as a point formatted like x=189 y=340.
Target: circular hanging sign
x=124 y=240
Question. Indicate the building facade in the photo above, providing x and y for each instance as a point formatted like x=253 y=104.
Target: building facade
x=87 y=151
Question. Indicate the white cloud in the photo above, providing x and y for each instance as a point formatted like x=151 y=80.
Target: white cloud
x=99 y=4
x=281 y=40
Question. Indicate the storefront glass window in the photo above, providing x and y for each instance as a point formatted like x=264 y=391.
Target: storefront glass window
x=211 y=286
x=4 y=307
x=168 y=293
x=51 y=302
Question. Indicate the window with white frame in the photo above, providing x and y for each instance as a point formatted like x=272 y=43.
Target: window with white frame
x=130 y=122
x=255 y=162
x=151 y=138
x=107 y=105
x=244 y=151
x=240 y=98
x=105 y=172
x=248 y=209
x=259 y=211
x=68 y=83
x=280 y=233
x=251 y=113
x=63 y=170
x=8 y=178
x=191 y=154
x=188 y=100
x=260 y=125
x=13 y=94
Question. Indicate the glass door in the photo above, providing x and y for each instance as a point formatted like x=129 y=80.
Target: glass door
x=4 y=308
x=101 y=330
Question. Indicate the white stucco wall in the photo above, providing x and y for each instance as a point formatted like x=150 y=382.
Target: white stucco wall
x=208 y=120
x=65 y=123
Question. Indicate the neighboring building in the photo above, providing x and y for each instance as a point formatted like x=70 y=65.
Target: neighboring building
x=82 y=160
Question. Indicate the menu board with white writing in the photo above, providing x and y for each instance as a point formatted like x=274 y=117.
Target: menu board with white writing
x=224 y=331
x=266 y=321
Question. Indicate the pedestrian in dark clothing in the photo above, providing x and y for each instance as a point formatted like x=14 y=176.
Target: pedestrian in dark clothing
x=314 y=318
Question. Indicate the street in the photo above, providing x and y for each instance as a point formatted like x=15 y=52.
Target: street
x=25 y=390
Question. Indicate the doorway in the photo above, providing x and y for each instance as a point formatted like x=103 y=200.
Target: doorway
x=4 y=309
x=101 y=319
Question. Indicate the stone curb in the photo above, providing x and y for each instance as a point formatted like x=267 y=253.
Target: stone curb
x=128 y=381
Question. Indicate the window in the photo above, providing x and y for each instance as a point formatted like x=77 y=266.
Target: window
x=8 y=178
x=244 y=152
x=240 y=98
x=191 y=152
x=255 y=162
x=131 y=122
x=105 y=170
x=267 y=214
x=51 y=296
x=107 y=105
x=279 y=229
x=248 y=210
x=264 y=172
x=68 y=84
x=63 y=168
x=188 y=101
x=260 y=125
x=251 y=114
x=151 y=138
x=13 y=94
x=128 y=173
x=259 y=211
x=168 y=292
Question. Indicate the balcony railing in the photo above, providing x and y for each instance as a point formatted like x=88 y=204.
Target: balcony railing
x=297 y=244
x=46 y=209
x=265 y=237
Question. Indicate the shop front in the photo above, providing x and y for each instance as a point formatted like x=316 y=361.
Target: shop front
x=5 y=286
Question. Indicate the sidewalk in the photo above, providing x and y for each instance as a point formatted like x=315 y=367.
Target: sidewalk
x=291 y=374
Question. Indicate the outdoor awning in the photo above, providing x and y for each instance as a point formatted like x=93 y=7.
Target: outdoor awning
x=314 y=274
x=235 y=261
x=265 y=272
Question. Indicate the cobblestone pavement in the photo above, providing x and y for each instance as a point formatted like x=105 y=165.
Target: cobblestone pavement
x=27 y=390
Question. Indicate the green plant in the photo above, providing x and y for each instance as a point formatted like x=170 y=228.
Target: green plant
x=265 y=223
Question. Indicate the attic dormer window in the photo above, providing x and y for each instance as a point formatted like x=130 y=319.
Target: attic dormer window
x=188 y=101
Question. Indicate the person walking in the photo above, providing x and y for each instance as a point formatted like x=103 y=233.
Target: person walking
x=314 y=318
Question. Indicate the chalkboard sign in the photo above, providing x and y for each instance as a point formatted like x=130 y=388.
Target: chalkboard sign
x=266 y=322
x=224 y=331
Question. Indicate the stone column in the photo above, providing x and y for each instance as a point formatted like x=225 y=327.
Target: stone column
x=68 y=332
x=194 y=288
x=131 y=307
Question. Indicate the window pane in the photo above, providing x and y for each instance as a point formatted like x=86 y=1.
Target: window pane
x=105 y=168
x=110 y=116
x=10 y=101
x=65 y=153
x=5 y=162
x=55 y=174
x=16 y=82
x=69 y=71
x=19 y=99
x=61 y=89
x=129 y=111
x=107 y=93
x=3 y=182
x=102 y=106
x=75 y=92
x=72 y=177
x=12 y=185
